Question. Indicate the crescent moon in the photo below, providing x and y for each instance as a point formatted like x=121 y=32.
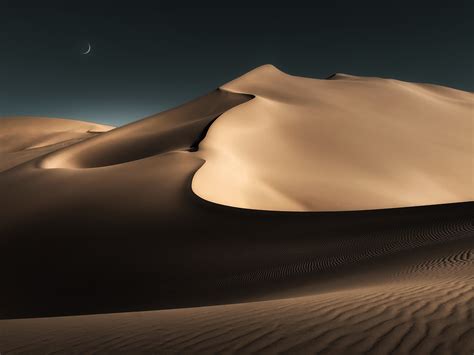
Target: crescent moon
x=88 y=49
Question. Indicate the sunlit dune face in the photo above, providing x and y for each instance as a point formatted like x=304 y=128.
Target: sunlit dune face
x=348 y=143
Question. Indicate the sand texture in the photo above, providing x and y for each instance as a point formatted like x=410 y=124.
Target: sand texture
x=274 y=214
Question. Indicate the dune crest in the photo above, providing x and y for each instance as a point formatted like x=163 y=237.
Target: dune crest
x=347 y=143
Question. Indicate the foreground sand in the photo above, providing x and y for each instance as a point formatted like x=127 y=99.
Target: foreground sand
x=101 y=221
x=426 y=308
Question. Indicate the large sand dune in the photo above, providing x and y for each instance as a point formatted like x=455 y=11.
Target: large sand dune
x=345 y=143
x=274 y=214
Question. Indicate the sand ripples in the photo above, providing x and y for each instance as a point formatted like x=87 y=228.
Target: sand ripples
x=407 y=317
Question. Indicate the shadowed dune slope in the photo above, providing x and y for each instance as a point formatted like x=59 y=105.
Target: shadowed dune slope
x=348 y=143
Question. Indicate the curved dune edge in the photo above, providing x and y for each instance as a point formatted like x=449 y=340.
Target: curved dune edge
x=348 y=143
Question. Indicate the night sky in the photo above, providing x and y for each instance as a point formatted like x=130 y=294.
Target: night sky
x=150 y=56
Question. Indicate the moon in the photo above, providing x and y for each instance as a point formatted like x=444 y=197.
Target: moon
x=88 y=49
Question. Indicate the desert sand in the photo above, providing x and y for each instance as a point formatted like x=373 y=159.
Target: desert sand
x=274 y=214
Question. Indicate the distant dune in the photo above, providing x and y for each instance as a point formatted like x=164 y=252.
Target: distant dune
x=274 y=214
x=24 y=138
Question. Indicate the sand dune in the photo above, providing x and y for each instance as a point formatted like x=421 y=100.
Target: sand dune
x=347 y=143
x=257 y=218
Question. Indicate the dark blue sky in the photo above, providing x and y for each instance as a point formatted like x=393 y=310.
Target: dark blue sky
x=150 y=56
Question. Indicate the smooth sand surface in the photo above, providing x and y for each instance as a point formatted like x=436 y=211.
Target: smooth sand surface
x=347 y=143
x=109 y=243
